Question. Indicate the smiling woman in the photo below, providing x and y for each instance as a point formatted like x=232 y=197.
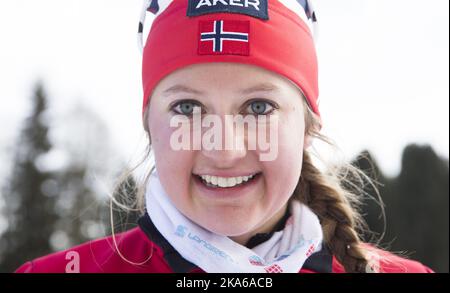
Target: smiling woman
x=243 y=209
x=226 y=209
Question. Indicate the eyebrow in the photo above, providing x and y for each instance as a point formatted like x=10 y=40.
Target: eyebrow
x=181 y=88
x=261 y=87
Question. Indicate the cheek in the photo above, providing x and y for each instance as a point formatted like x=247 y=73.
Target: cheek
x=291 y=139
x=174 y=166
x=283 y=173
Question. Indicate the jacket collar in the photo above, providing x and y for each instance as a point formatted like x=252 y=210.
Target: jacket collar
x=320 y=262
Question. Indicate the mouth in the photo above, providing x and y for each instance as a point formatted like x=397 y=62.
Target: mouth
x=218 y=182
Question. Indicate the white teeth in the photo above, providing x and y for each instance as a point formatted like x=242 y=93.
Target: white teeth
x=225 y=181
x=232 y=181
x=222 y=182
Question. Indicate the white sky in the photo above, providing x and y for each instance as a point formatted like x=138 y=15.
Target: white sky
x=384 y=70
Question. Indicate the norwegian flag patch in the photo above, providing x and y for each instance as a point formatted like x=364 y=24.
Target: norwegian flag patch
x=224 y=37
x=255 y=8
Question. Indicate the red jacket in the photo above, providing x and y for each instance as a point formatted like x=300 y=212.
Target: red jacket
x=136 y=245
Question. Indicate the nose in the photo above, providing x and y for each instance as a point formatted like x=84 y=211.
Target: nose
x=232 y=147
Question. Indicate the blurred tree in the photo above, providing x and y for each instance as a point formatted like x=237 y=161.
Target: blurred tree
x=57 y=194
x=372 y=204
x=416 y=206
x=421 y=196
x=28 y=195
x=83 y=203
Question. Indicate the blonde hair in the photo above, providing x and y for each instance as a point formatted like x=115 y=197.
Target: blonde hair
x=335 y=196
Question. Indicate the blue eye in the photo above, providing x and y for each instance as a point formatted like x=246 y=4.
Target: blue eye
x=260 y=108
x=185 y=107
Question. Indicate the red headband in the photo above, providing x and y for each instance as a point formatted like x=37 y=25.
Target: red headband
x=264 y=33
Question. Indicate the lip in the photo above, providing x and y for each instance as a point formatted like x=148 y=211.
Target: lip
x=228 y=192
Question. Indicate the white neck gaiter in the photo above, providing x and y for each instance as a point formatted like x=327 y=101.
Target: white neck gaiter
x=286 y=251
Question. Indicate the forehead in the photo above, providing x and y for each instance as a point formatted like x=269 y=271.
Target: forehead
x=224 y=75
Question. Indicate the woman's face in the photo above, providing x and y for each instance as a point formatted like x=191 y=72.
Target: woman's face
x=229 y=205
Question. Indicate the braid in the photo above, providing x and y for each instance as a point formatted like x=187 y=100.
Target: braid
x=337 y=216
